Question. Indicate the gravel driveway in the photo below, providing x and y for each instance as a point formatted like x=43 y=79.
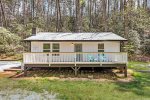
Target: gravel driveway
x=19 y=94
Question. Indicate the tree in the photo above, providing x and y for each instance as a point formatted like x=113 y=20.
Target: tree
x=3 y=14
x=9 y=41
x=78 y=16
x=146 y=47
x=134 y=40
x=59 y=23
x=118 y=16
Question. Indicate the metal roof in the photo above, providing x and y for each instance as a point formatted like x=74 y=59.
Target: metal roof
x=48 y=36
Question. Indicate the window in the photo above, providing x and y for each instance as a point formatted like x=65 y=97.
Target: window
x=55 y=47
x=101 y=47
x=46 y=47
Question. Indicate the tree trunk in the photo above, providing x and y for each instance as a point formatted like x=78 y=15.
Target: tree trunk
x=58 y=25
x=125 y=20
x=90 y=13
x=121 y=5
x=108 y=7
x=3 y=14
x=138 y=2
x=145 y=4
x=104 y=2
x=78 y=16
x=24 y=12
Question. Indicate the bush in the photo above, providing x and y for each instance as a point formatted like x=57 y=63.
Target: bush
x=133 y=44
x=9 y=42
x=146 y=47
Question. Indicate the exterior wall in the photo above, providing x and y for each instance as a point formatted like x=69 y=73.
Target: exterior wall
x=109 y=46
x=36 y=47
x=112 y=46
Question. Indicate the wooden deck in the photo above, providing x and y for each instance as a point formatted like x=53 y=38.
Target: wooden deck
x=75 y=60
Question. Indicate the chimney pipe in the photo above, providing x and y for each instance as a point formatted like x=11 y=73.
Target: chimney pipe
x=33 y=31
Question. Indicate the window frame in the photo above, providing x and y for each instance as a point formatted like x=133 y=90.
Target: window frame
x=56 y=54
x=101 y=49
x=57 y=48
x=49 y=49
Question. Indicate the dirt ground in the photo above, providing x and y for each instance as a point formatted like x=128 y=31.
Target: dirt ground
x=7 y=74
x=66 y=75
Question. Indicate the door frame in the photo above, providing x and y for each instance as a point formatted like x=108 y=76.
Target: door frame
x=78 y=44
x=79 y=57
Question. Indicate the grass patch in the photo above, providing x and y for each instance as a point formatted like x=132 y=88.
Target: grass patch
x=84 y=90
x=139 y=89
x=141 y=85
x=138 y=65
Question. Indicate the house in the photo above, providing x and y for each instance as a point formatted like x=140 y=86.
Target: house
x=75 y=50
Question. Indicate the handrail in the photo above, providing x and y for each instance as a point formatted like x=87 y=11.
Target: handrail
x=74 y=57
x=71 y=52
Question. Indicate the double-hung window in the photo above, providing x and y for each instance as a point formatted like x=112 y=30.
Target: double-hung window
x=101 y=47
x=55 y=47
x=46 y=47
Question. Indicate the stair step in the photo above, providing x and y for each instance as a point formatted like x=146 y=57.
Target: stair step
x=18 y=75
x=14 y=69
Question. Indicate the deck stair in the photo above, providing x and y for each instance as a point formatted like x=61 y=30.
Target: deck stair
x=13 y=69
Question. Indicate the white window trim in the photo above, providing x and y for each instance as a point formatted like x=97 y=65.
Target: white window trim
x=47 y=49
x=51 y=46
x=55 y=49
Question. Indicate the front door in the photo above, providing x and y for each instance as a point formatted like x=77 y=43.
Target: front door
x=78 y=48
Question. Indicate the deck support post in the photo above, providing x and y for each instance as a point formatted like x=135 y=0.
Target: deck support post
x=59 y=69
x=75 y=70
x=25 y=71
x=125 y=71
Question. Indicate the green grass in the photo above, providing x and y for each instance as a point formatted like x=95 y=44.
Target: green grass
x=138 y=65
x=86 y=90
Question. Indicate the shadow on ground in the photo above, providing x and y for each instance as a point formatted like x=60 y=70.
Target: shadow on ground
x=94 y=73
x=140 y=85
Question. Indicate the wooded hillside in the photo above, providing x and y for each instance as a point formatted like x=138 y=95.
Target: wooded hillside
x=128 y=18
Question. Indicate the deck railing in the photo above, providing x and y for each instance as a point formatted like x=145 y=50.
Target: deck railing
x=74 y=57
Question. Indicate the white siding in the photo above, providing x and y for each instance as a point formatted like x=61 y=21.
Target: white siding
x=89 y=47
x=36 y=47
x=109 y=46
x=112 y=46
x=66 y=47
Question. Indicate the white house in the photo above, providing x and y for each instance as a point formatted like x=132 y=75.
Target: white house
x=75 y=50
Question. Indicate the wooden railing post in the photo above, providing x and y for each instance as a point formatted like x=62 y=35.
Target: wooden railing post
x=49 y=62
x=75 y=55
x=24 y=58
x=126 y=57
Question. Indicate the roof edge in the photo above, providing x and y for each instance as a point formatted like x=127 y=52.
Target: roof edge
x=74 y=40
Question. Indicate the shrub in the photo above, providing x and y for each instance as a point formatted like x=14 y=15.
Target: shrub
x=146 y=47
x=9 y=42
x=133 y=44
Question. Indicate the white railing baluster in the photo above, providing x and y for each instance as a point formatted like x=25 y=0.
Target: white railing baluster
x=74 y=57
